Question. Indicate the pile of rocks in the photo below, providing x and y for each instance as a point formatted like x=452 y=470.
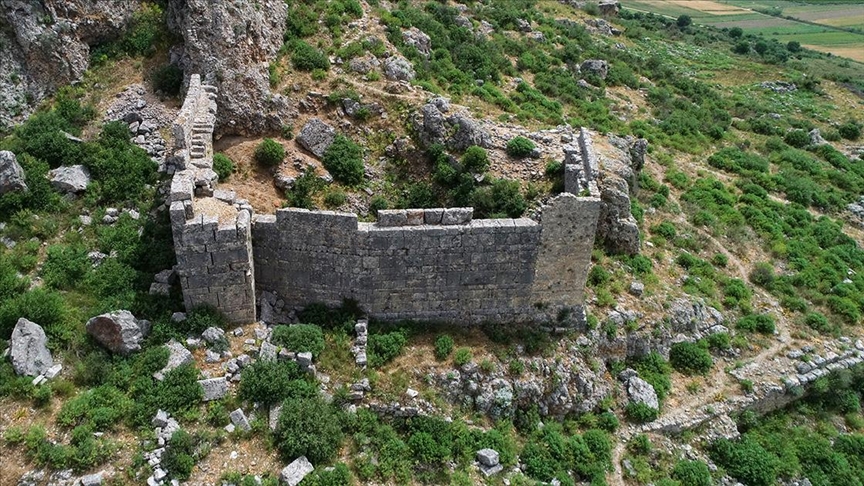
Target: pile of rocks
x=63 y=477
x=489 y=462
x=233 y=367
x=779 y=86
x=164 y=427
x=145 y=120
x=273 y=309
x=359 y=348
x=813 y=366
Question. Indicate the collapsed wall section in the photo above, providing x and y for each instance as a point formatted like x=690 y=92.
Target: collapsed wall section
x=212 y=237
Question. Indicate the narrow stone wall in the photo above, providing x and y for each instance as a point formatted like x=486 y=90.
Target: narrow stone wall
x=212 y=236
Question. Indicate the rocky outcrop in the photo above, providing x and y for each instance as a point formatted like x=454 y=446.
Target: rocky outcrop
x=120 y=332
x=640 y=391
x=595 y=67
x=695 y=318
x=70 y=180
x=418 y=40
x=45 y=45
x=28 y=349
x=397 y=68
x=618 y=182
x=816 y=137
x=316 y=137
x=231 y=44
x=457 y=132
x=11 y=174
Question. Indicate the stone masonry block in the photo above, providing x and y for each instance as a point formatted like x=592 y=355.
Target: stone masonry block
x=392 y=217
x=433 y=216
x=414 y=217
x=457 y=216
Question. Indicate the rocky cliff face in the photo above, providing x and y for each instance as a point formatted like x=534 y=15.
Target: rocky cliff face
x=45 y=44
x=230 y=44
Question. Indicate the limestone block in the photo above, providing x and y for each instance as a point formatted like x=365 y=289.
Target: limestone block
x=457 y=216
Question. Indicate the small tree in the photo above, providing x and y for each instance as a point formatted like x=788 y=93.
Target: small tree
x=269 y=153
x=793 y=46
x=684 y=21
x=742 y=47
x=223 y=166
x=692 y=473
x=475 y=160
x=344 y=160
x=736 y=32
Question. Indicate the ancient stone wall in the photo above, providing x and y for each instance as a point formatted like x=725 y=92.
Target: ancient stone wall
x=423 y=264
x=212 y=236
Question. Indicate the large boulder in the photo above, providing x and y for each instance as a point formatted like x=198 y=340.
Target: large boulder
x=595 y=67
x=640 y=391
x=316 y=137
x=71 y=179
x=418 y=40
x=468 y=132
x=693 y=316
x=231 y=44
x=397 y=68
x=27 y=347
x=11 y=173
x=120 y=332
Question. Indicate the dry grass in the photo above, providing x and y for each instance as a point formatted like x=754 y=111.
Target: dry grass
x=711 y=7
x=209 y=206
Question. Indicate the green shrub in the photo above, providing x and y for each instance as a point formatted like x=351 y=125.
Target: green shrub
x=762 y=274
x=850 y=130
x=818 y=322
x=300 y=338
x=339 y=475
x=180 y=391
x=666 y=230
x=598 y=276
x=475 y=160
x=443 y=347
x=168 y=79
x=343 y=159
x=270 y=382
x=797 y=138
x=520 y=147
x=101 y=409
x=690 y=358
x=383 y=348
x=223 y=166
x=608 y=421
x=692 y=473
x=65 y=266
x=147 y=30
x=761 y=323
x=462 y=356
x=308 y=427
x=178 y=459
x=120 y=169
x=308 y=58
x=719 y=341
x=503 y=198
x=746 y=460
x=655 y=370
x=269 y=153
x=640 y=413
x=335 y=198
x=378 y=203
x=42 y=306
x=720 y=260
x=300 y=196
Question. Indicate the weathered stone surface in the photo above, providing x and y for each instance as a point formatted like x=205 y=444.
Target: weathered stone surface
x=595 y=67
x=214 y=388
x=234 y=57
x=70 y=179
x=120 y=332
x=213 y=335
x=28 y=349
x=294 y=473
x=468 y=132
x=640 y=391
x=316 y=137
x=488 y=457
x=238 y=418
x=419 y=40
x=609 y=8
x=637 y=288
x=364 y=64
x=816 y=137
x=397 y=68
x=92 y=479
x=178 y=356
x=692 y=316
x=11 y=174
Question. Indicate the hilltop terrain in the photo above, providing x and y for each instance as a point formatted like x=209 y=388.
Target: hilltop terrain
x=721 y=339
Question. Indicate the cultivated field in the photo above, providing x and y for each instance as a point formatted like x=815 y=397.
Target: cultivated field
x=817 y=25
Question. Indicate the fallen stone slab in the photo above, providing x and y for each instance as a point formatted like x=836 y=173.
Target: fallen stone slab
x=488 y=457
x=70 y=179
x=29 y=350
x=214 y=388
x=120 y=332
x=293 y=473
x=238 y=418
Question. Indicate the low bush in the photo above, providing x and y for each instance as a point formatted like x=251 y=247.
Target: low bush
x=746 y=460
x=797 y=138
x=462 y=356
x=762 y=274
x=343 y=159
x=520 y=147
x=655 y=370
x=690 y=358
x=270 y=382
x=475 y=160
x=334 y=198
x=178 y=459
x=502 y=199
x=384 y=348
x=65 y=266
x=692 y=473
x=850 y=130
x=269 y=153
x=640 y=413
x=308 y=427
x=666 y=230
x=308 y=58
x=300 y=338
x=761 y=323
x=44 y=307
x=223 y=166
x=443 y=347
x=168 y=79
